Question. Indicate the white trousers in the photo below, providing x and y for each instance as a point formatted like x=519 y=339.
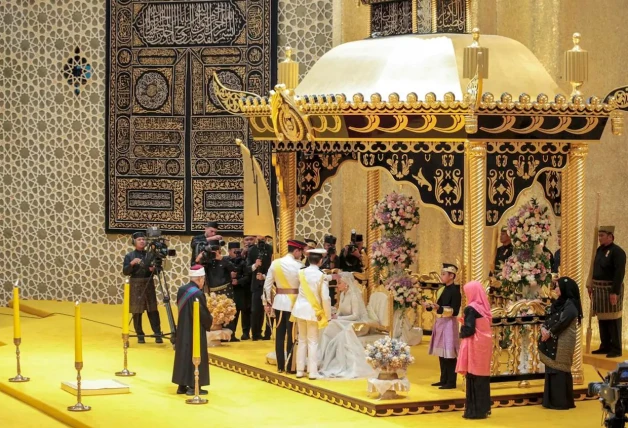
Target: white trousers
x=308 y=345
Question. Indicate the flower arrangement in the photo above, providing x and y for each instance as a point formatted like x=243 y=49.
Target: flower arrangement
x=530 y=226
x=388 y=354
x=393 y=251
x=528 y=269
x=222 y=308
x=395 y=214
x=405 y=290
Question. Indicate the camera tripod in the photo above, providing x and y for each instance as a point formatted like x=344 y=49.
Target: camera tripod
x=159 y=276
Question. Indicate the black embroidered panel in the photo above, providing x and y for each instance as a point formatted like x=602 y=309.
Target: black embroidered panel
x=171 y=158
x=391 y=18
x=451 y=16
x=513 y=167
x=551 y=182
x=314 y=169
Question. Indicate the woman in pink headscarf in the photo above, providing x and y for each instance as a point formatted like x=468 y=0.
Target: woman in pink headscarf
x=476 y=349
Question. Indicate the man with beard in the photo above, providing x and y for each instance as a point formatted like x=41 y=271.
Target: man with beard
x=183 y=371
x=137 y=265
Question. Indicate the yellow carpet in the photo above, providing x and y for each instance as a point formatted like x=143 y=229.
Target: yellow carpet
x=235 y=400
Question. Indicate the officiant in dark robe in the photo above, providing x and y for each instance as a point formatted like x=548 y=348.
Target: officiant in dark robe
x=183 y=371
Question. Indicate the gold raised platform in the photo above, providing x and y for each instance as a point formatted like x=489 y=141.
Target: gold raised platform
x=248 y=359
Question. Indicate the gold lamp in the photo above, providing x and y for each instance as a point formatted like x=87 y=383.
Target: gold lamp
x=576 y=66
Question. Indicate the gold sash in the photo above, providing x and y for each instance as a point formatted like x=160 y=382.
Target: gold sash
x=282 y=282
x=311 y=298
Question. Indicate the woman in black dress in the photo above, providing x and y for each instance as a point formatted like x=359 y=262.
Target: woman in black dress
x=558 y=341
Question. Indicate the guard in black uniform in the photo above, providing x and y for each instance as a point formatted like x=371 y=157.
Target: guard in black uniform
x=241 y=291
x=504 y=251
x=258 y=262
x=137 y=265
x=330 y=262
x=607 y=291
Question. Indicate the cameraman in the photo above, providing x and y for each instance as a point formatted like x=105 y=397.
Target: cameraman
x=137 y=265
x=259 y=259
x=352 y=257
x=330 y=262
x=241 y=290
x=200 y=241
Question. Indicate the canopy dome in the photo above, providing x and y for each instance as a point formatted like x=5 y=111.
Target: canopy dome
x=423 y=63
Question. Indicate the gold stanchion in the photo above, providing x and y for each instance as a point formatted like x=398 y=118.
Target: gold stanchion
x=79 y=407
x=18 y=377
x=125 y=345
x=196 y=399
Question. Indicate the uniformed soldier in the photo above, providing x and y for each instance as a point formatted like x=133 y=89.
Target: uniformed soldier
x=284 y=273
x=607 y=291
x=503 y=251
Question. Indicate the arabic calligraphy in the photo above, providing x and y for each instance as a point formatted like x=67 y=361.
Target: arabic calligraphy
x=147 y=199
x=451 y=16
x=185 y=24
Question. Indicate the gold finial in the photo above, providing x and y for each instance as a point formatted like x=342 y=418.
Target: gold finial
x=288 y=54
x=475 y=60
x=476 y=37
x=288 y=70
x=576 y=66
x=576 y=42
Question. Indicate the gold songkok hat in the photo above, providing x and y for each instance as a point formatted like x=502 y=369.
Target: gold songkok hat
x=607 y=229
x=447 y=267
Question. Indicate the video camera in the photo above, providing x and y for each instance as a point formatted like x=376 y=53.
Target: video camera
x=157 y=247
x=352 y=245
x=331 y=240
x=262 y=248
x=613 y=394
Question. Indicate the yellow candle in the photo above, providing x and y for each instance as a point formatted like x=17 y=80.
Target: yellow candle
x=125 y=309
x=196 y=332
x=78 y=333
x=17 y=328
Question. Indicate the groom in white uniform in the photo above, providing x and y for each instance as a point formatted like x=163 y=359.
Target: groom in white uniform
x=312 y=311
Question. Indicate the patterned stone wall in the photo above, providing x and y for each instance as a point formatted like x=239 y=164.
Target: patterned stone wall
x=52 y=150
x=306 y=26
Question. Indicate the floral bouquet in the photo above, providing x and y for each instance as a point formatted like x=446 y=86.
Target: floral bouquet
x=396 y=213
x=393 y=251
x=405 y=290
x=222 y=308
x=526 y=270
x=388 y=354
x=530 y=226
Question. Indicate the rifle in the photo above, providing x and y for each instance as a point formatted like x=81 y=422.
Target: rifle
x=590 y=277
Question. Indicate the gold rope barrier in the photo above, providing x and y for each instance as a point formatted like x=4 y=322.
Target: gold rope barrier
x=477 y=183
x=575 y=239
x=372 y=196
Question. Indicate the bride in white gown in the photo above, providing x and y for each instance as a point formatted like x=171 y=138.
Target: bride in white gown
x=340 y=352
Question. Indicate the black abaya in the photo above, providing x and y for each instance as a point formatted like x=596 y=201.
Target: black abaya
x=558 y=393
x=478 y=404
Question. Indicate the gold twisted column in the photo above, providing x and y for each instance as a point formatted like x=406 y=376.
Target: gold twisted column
x=477 y=205
x=574 y=253
x=466 y=241
x=286 y=171
x=565 y=223
x=372 y=197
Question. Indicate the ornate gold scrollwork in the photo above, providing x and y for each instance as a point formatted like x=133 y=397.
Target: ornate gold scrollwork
x=229 y=98
x=506 y=192
x=455 y=188
x=421 y=180
x=520 y=165
x=401 y=124
x=400 y=166
x=288 y=123
x=537 y=123
x=330 y=161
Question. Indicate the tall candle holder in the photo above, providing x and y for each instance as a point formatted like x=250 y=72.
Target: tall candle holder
x=196 y=399
x=18 y=377
x=125 y=346
x=79 y=407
